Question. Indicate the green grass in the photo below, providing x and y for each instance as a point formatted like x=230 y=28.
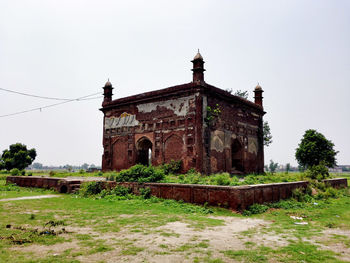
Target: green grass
x=92 y=219
x=13 y=191
x=100 y=215
x=294 y=252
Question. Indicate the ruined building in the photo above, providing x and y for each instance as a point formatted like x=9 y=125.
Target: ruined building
x=207 y=128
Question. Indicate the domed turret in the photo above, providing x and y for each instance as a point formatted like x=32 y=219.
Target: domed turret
x=258 y=87
x=108 y=84
x=258 y=98
x=198 y=68
x=107 y=93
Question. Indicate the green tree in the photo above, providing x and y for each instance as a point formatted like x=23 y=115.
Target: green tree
x=315 y=149
x=241 y=93
x=18 y=156
x=273 y=166
x=287 y=167
x=267 y=134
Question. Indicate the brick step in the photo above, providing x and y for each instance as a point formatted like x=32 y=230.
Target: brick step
x=74 y=186
x=75 y=182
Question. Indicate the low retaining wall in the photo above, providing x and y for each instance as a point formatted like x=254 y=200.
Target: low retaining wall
x=234 y=197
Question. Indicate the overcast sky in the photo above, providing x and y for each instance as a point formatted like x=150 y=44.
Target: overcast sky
x=299 y=52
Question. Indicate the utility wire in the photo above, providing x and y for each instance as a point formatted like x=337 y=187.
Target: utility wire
x=52 y=105
x=35 y=96
x=99 y=97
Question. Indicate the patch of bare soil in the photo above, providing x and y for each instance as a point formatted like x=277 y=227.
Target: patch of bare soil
x=178 y=242
x=44 y=251
x=174 y=242
x=328 y=241
x=29 y=197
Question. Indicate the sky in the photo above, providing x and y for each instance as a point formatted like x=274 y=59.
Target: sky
x=298 y=51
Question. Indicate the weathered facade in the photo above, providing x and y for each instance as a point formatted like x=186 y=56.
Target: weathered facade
x=207 y=128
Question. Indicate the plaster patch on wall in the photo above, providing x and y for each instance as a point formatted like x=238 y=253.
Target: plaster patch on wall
x=124 y=120
x=179 y=106
x=217 y=141
x=252 y=145
x=227 y=141
x=254 y=127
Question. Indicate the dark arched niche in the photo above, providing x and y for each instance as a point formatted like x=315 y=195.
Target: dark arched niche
x=237 y=156
x=144 y=151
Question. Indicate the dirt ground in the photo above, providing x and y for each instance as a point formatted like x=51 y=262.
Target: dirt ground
x=173 y=242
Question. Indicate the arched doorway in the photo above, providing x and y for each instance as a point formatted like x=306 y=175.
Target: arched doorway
x=144 y=151
x=63 y=189
x=237 y=156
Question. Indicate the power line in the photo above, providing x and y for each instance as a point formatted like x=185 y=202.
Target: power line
x=35 y=96
x=99 y=97
x=52 y=105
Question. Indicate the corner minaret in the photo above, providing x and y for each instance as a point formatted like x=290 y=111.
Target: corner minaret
x=107 y=93
x=198 y=68
x=258 y=98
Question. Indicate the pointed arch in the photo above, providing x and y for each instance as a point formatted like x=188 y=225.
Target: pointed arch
x=144 y=151
x=173 y=148
x=237 y=150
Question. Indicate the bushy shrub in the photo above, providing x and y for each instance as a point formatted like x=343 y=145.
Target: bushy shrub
x=145 y=193
x=81 y=171
x=110 y=176
x=90 y=188
x=173 y=167
x=221 y=179
x=234 y=181
x=117 y=191
x=298 y=194
x=255 y=209
x=288 y=204
x=318 y=172
x=23 y=172
x=192 y=171
x=140 y=173
x=192 y=177
x=52 y=173
x=14 y=171
x=30 y=174
x=331 y=192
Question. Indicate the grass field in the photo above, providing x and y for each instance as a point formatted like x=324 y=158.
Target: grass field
x=74 y=229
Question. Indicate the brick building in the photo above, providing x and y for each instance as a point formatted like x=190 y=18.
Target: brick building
x=176 y=123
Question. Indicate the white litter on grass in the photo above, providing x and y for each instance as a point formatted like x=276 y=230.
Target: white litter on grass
x=300 y=223
x=296 y=217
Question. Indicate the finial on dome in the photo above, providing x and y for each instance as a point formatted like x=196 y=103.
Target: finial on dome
x=258 y=87
x=198 y=56
x=108 y=83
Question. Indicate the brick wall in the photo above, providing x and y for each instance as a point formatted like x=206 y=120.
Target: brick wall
x=233 y=197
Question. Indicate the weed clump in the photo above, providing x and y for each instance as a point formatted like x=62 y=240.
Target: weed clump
x=221 y=179
x=90 y=188
x=15 y=172
x=317 y=172
x=117 y=193
x=255 y=209
x=173 y=167
x=140 y=173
